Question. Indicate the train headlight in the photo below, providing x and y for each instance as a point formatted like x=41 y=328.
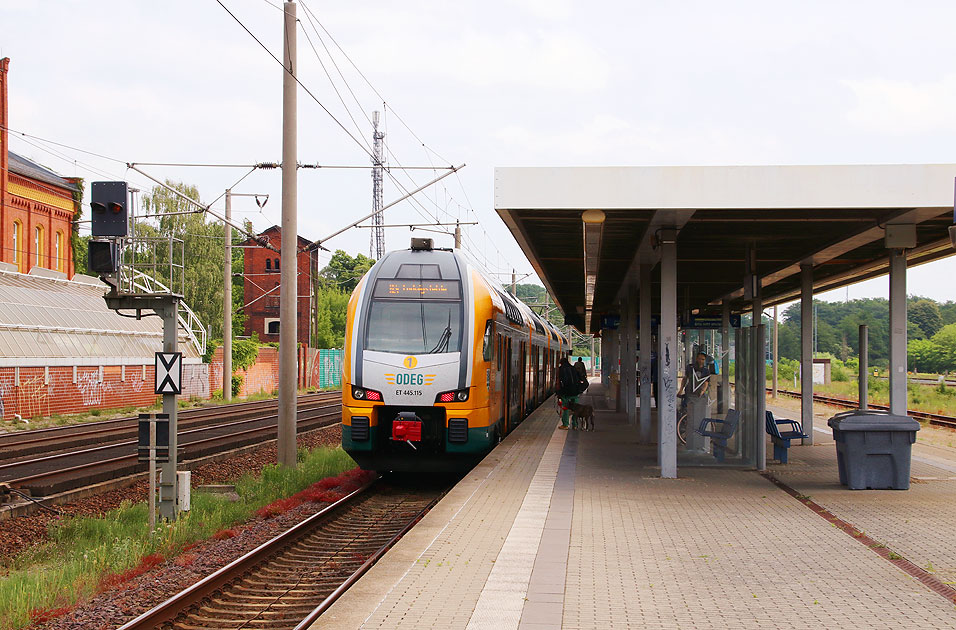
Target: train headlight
x=371 y=395
x=456 y=395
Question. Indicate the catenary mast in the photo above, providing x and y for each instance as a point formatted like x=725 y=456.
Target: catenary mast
x=378 y=231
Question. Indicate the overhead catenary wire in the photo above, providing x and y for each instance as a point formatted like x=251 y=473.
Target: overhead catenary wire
x=296 y=78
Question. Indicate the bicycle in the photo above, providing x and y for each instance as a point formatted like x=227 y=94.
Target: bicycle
x=682 y=420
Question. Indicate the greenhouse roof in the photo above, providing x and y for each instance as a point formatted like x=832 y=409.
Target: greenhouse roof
x=51 y=321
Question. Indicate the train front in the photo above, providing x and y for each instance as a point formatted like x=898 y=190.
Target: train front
x=408 y=403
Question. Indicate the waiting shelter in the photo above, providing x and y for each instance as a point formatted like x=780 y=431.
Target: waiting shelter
x=643 y=253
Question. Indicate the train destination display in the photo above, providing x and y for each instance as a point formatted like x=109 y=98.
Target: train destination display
x=418 y=289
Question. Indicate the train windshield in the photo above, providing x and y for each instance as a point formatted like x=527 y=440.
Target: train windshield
x=425 y=327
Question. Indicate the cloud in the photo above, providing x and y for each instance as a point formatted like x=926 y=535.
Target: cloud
x=903 y=107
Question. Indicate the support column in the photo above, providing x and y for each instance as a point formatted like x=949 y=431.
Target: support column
x=759 y=367
x=168 y=482
x=227 y=303
x=611 y=361
x=776 y=353
x=667 y=359
x=863 y=376
x=645 y=354
x=288 y=292
x=725 y=357
x=629 y=358
x=898 y=331
x=605 y=370
x=806 y=351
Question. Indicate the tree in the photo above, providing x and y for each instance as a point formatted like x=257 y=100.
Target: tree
x=922 y=355
x=203 y=251
x=925 y=314
x=945 y=340
x=344 y=272
x=331 y=306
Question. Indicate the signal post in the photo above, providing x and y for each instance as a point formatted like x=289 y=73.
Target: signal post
x=109 y=227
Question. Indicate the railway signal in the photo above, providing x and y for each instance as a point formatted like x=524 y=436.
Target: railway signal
x=109 y=215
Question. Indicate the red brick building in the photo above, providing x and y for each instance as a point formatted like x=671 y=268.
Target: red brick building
x=261 y=270
x=37 y=206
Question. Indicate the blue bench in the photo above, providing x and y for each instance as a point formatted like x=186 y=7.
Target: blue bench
x=720 y=431
x=781 y=439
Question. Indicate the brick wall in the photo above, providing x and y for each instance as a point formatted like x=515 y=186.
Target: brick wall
x=263 y=376
x=47 y=391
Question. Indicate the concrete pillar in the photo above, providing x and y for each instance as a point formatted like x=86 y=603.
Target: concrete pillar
x=629 y=360
x=605 y=368
x=725 y=357
x=667 y=359
x=645 y=353
x=806 y=351
x=863 y=375
x=898 y=331
x=759 y=367
x=611 y=345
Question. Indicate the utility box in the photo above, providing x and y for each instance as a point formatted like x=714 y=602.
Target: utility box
x=185 y=478
x=873 y=449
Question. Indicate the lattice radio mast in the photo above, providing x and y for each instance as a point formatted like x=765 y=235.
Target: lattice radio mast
x=377 y=246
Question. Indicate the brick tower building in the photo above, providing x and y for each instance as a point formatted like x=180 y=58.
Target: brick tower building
x=261 y=270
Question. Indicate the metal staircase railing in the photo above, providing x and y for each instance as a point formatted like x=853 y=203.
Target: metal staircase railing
x=188 y=320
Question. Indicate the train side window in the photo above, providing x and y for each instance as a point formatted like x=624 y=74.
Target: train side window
x=487 y=348
x=499 y=351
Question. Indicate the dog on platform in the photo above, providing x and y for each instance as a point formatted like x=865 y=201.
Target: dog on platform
x=582 y=417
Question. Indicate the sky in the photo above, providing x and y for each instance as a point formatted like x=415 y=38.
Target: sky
x=486 y=84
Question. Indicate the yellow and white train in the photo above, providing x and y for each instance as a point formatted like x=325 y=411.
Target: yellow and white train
x=440 y=364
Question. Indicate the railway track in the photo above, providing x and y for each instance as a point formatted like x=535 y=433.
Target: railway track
x=22 y=444
x=69 y=469
x=289 y=581
x=846 y=403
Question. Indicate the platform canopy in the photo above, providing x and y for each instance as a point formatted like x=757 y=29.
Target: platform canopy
x=832 y=217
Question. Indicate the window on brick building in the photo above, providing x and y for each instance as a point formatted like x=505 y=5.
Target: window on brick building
x=272 y=327
x=58 y=244
x=18 y=245
x=38 y=245
x=268 y=264
x=277 y=264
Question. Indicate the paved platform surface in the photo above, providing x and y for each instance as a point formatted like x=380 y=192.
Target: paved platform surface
x=571 y=530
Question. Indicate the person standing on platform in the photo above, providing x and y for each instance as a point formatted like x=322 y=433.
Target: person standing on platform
x=567 y=390
x=582 y=371
x=694 y=388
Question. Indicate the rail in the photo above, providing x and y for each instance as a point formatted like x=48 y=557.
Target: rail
x=847 y=403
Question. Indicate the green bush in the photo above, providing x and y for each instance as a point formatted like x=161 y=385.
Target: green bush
x=236 y=384
x=838 y=371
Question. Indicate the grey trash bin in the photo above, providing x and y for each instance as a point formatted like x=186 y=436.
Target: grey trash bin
x=873 y=449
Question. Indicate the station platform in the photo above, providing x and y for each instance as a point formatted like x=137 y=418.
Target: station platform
x=564 y=529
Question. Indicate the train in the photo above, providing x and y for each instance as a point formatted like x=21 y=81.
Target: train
x=440 y=363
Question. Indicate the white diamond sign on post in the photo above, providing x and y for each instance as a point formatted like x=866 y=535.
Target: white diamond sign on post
x=169 y=373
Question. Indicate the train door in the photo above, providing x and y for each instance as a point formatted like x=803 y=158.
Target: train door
x=523 y=371
x=506 y=368
x=514 y=374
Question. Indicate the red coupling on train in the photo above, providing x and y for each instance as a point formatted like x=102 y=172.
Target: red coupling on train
x=407 y=430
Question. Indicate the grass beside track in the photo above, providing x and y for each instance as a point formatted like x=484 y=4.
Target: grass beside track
x=88 y=555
